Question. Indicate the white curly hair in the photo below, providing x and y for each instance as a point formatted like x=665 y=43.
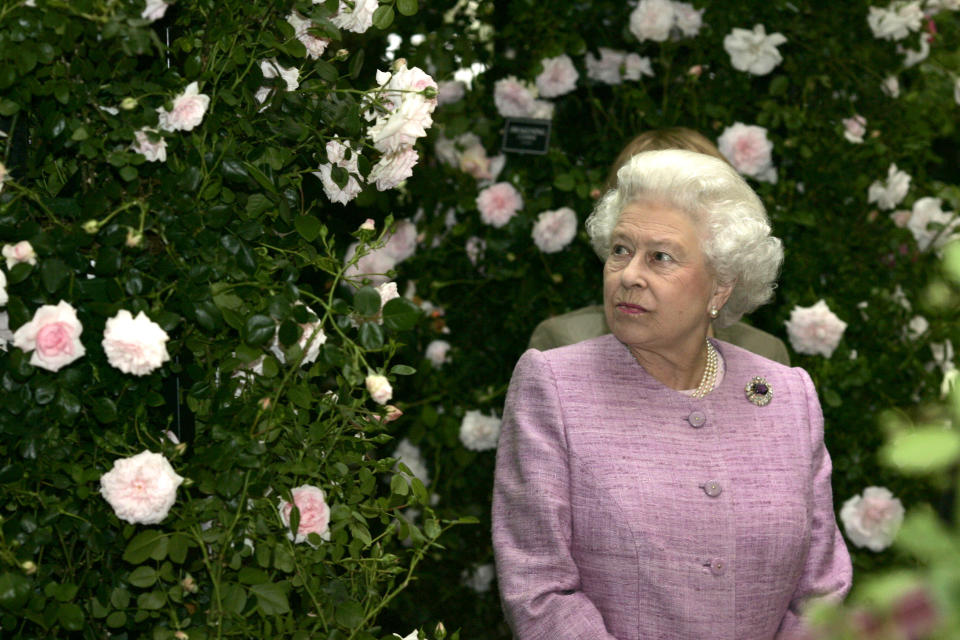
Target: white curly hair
x=733 y=222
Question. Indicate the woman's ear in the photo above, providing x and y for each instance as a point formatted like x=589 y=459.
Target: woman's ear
x=720 y=295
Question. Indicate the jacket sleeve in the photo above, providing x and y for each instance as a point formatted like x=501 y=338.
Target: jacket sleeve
x=538 y=578
x=827 y=572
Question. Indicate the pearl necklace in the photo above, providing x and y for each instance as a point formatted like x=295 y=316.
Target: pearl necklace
x=709 y=378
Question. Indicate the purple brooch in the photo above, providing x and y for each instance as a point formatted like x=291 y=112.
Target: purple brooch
x=759 y=392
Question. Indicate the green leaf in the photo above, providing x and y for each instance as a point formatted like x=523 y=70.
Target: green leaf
x=104 y=410
x=271 y=598
x=400 y=314
x=53 y=273
x=117 y=619
x=252 y=575
x=234 y=598
x=129 y=173
x=178 y=547
x=146 y=544
x=371 y=336
x=398 y=485
x=283 y=560
x=14 y=591
x=70 y=616
x=8 y=107
x=19 y=273
x=258 y=330
x=356 y=64
x=143 y=577
x=308 y=227
x=260 y=177
x=431 y=528
x=407 y=7
x=383 y=17
x=402 y=370
x=951 y=260
x=152 y=600
x=367 y=301
x=564 y=182
x=300 y=395
x=923 y=450
x=349 y=614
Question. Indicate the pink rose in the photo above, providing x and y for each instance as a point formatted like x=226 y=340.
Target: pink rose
x=393 y=168
x=402 y=242
x=475 y=162
x=314 y=513
x=53 y=335
x=134 y=345
x=498 y=203
x=854 y=128
x=652 y=20
x=554 y=230
x=188 y=110
x=372 y=266
x=513 y=98
x=558 y=77
x=379 y=388
x=450 y=92
x=872 y=520
x=142 y=488
x=748 y=149
x=19 y=252
x=152 y=151
x=815 y=330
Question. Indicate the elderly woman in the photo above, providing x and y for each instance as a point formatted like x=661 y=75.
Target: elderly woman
x=655 y=483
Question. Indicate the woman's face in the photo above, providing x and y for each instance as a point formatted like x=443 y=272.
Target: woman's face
x=657 y=287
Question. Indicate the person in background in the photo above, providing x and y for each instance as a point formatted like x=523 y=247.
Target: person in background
x=656 y=482
x=589 y=322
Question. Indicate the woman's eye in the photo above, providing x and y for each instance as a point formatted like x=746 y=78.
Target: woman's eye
x=660 y=256
x=618 y=250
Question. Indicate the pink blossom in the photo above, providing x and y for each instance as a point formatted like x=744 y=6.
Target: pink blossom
x=450 y=91
x=368 y=225
x=554 y=230
x=498 y=203
x=475 y=162
x=134 y=345
x=152 y=151
x=141 y=489
x=314 y=513
x=748 y=149
x=815 y=330
x=558 y=77
x=901 y=217
x=379 y=388
x=606 y=68
x=53 y=335
x=373 y=266
x=854 y=128
x=188 y=110
x=652 y=20
x=402 y=242
x=340 y=154
x=393 y=168
x=19 y=252
x=513 y=98
x=872 y=520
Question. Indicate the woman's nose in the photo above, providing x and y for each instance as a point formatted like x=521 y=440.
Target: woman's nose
x=634 y=274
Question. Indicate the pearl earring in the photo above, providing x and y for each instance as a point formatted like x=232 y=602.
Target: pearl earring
x=714 y=312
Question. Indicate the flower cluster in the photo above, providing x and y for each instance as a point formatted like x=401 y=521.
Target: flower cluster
x=656 y=19
x=815 y=330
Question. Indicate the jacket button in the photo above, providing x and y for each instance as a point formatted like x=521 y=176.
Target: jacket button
x=712 y=488
x=697 y=419
x=718 y=566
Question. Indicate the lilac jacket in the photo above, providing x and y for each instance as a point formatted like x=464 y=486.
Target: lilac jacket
x=624 y=509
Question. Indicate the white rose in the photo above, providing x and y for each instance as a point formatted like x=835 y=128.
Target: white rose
x=554 y=230
x=301 y=26
x=141 y=489
x=480 y=578
x=340 y=154
x=854 y=128
x=379 y=388
x=635 y=66
x=479 y=432
x=3 y=292
x=888 y=195
x=152 y=151
x=413 y=635
x=913 y=57
x=53 y=335
x=19 y=252
x=403 y=113
x=896 y=21
x=393 y=168
x=606 y=68
x=154 y=10
x=402 y=242
x=917 y=326
x=754 y=51
x=927 y=211
x=513 y=98
x=438 y=353
x=652 y=20
x=450 y=91
x=815 y=330
x=943 y=355
x=558 y=77
x=872 y=520
x=748 y=150
x=688 y=18
x=273 y=69
x=373 y=266
x=134 y=345
x=188 y=110
x=359 y=18
x=891 y=86
x=409 y=454
x=6 y=335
